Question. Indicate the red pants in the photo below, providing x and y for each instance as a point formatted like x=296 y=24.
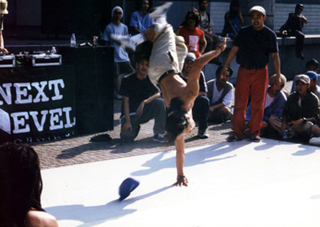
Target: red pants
x=254 y=83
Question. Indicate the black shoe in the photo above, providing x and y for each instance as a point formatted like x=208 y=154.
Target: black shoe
x=232 y=138
x=256 y=139
x=160 y=138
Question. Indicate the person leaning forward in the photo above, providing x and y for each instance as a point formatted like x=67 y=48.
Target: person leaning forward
x=252 y=47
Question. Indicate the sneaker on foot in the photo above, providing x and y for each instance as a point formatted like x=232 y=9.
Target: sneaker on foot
x=256 y=139
x=160 y=11
x=203 y=134
x=160 y=138
x=232 y=138
x=124 y=41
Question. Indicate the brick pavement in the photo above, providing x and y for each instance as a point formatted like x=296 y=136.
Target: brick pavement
x=79 y=149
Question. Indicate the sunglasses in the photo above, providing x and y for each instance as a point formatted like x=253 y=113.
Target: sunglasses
x=119 y=13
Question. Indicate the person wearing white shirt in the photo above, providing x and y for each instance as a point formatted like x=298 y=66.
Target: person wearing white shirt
x=220 y=94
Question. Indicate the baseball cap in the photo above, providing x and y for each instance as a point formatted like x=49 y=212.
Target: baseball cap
x=304 y=78
x=312 y=75
x=3 y=7
x=190 y=57
x=259 y=9
x=126 y=187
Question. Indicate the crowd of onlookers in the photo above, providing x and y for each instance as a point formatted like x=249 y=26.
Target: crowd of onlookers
x=286 y=115
x=142 y=101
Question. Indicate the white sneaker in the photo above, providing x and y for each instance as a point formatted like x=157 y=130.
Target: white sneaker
x=124 y=41
x=160 y=11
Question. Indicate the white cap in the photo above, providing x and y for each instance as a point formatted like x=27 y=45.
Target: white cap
x=190 y=57
x=259 y=9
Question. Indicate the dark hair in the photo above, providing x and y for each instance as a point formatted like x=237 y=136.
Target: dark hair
x=299 y=6
x=200 y=1
x=142 y=57
x=21 y=183
x=229 y=69
x=196 y=16
x=139 y=4
x=176 y=122
x=233 y=3
x=312 y=62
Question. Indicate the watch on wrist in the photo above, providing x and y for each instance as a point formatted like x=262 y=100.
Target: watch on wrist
x=304 y=119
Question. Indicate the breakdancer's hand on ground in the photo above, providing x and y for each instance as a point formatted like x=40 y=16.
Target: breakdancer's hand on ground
x=181 y=181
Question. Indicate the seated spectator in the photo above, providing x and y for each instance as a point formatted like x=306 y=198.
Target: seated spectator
x=231 y=19
x=21 y=187
x=193 y=36
x=274 y=104
x=313 y=83
x=301 y=111
x=122 y=65
x=293 y=27
x=220 y=94
x=206 y=26
x=141 y=102
x=200 y=109
x=311 y=65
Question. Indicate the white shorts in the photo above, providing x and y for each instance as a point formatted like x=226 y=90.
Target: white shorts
x=168 y=52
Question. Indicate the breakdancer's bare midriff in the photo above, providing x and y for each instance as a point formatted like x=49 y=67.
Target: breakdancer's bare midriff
x=174 y=86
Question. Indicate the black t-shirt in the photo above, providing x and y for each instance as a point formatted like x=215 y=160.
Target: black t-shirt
x=255 y=46
x=136 y=90
x=202 y=84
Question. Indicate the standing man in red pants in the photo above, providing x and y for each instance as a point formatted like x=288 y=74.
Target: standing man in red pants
x=252 y=47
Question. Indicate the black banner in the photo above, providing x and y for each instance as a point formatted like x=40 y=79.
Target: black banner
x=37 y=103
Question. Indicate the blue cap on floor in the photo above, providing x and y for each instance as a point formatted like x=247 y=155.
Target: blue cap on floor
x=126 y=187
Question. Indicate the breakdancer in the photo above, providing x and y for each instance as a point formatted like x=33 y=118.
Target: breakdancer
x=166 y=61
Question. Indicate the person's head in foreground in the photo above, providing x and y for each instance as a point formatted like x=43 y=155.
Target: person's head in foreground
x=178 y=121
x=192 y=18
x=223 y=79
x=312 y=65
x=258 y=16
x=21 y=186
x=276 y=87
x=303 y=83
x=313 y=79
x=299 y=8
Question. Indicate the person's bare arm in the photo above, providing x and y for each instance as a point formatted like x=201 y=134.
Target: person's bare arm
x=215 y=107
x=2 y=44
x=126 y=109
x=231 y=55
x=181 y=179
x=40 y=218
x=192 y=83
x=203 y=45
x=140 y=108
x=276 y=64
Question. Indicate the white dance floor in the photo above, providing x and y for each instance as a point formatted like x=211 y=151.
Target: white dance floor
x=271 y=183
